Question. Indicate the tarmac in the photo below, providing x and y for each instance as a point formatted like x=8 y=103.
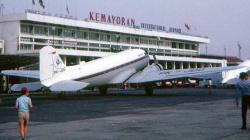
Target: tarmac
x=171 y=114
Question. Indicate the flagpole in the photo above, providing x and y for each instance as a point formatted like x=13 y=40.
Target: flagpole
x=239 y=48
x=239 y=53
x=42 y=4
x=225 y=52
x=33 y=3
x=67 y=7
x=1 y=8
x=206 y=49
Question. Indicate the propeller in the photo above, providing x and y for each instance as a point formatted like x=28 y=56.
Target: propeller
x=155 y=59
x=156 y=62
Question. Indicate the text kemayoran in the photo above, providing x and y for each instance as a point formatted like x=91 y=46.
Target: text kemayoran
x=117 y=20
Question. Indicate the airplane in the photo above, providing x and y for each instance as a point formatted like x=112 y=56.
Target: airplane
x=231 y=77
x=129 y=66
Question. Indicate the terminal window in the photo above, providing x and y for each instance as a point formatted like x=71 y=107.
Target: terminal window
x=93 y=36
x=114 y=38
x=26 y=47
x=26 y=28
x=69 y=33
x=174 y=45
x=181 y=46
x=82 y=34
x=187 y=46
x=56 y=32
x=105 y=37
x=41 y=30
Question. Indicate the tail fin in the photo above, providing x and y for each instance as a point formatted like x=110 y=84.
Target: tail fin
x=50 y=63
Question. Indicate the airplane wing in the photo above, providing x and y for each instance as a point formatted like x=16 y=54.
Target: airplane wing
x=22 y=73
x=150 y=74
x=68 y=85
x=32 y=86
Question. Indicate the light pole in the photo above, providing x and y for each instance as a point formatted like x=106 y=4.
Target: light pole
x=225 y=52
x=1 y=9
x=53 y=29
x=206 y=50
x=239 y=47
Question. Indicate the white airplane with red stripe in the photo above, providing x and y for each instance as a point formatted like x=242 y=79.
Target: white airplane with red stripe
x=129 y=66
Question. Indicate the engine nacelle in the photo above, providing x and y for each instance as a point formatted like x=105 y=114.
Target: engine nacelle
x=154 y=67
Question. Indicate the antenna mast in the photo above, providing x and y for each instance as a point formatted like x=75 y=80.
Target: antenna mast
x=1 y=9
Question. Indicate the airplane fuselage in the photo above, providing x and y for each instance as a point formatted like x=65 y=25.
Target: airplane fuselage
x=108 y=70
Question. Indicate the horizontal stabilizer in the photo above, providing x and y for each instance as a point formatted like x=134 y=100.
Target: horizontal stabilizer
x=68 y=85
x=33 y=86
x=22 y=73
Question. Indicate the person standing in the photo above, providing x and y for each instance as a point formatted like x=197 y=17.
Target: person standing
x=9 y=88
x=243 y=91
x=23 y=105
x=209 y=86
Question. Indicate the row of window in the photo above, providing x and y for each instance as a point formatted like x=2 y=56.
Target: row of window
x=102 y=36
x=111 y=48
x=186 y=65
x=168 y=65
x=73 y=43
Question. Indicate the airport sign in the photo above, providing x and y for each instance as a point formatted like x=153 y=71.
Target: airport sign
x=111 y=19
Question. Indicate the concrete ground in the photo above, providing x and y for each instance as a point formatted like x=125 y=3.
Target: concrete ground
x=170 y=114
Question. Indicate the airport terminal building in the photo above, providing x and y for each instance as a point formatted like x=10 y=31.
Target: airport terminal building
x=100 y=35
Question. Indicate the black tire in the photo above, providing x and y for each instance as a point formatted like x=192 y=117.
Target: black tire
x=149 y=91
x=103 y=90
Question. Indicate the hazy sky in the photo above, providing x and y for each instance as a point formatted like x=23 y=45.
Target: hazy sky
x=225 y=22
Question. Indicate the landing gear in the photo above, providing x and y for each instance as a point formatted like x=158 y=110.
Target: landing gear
x=103 y=90
x=149 y=91
x=61 y=95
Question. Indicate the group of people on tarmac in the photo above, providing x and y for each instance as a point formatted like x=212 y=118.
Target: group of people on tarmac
x=24 y=104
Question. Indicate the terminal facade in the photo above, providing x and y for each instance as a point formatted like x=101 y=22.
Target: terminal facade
x=82 y=40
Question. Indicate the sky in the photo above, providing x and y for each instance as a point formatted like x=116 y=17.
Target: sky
x=225 y=22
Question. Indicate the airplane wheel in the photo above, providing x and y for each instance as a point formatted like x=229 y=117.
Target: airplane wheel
x=61 y=95
x=149 y=91
x=103 y=90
